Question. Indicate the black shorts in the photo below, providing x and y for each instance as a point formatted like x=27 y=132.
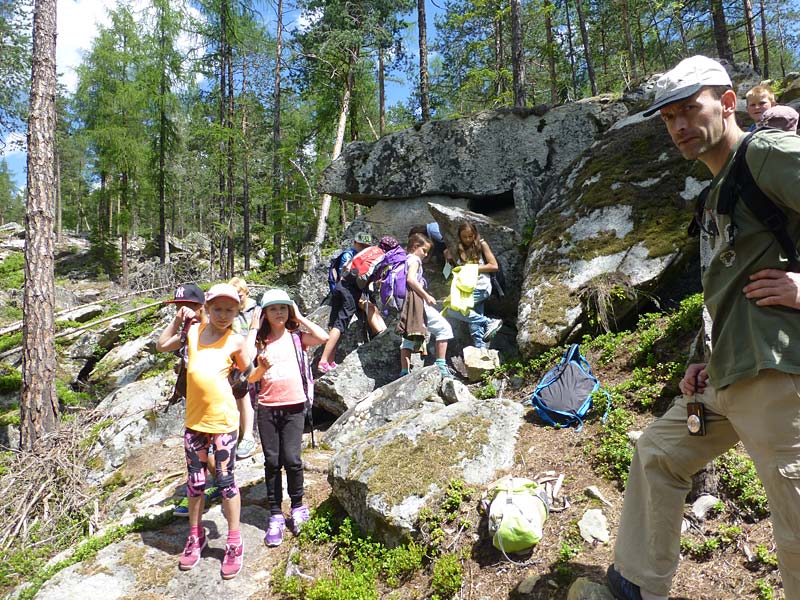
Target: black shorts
x=344 y=303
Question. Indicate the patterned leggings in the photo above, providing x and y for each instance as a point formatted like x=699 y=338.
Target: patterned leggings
x=196 y=445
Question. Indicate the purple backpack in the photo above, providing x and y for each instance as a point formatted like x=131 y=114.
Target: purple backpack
x=393 y=278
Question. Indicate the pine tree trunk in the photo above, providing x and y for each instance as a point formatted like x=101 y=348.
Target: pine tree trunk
x=230 y=228
x=381 y=93
x=424 y=100
x=721 y=37
x=551 y=52
x=245 y=181
x=518 y=54
x=277 y=208
x=587 y=53
x=38 y=400
x=123 y=217
x=751 y=35
x=162 y=141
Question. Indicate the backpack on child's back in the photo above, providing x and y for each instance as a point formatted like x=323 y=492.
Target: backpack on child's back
x=362 y=267
x=392 y=277
x=336 y=267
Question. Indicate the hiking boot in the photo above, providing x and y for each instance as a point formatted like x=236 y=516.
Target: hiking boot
x=275 y=528
x=232 y=561
x=191 y=552
x=492 y=328
x=324 y=367
x=300 y=515
x=246 y=448
x=621 y=588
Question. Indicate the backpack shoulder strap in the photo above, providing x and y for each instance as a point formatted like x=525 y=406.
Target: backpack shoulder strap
x=743 y=185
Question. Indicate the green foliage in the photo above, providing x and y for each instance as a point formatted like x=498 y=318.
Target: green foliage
x=432 y=520
x=141 y=324
x=69 y=397
x=613 y=452
x=570 y=547
x=10 y=416
x=739 y=479
x=723 y=537
x=764 y=590
x=10 y=380
x=12 y=271
x=10 y=340
x=447 y=577
x=765 y=557
x=487 y=390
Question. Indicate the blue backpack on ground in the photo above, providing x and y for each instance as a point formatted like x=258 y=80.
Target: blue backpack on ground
x=564 y=395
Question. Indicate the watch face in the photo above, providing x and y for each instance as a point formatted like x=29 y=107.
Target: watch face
x=693 y=423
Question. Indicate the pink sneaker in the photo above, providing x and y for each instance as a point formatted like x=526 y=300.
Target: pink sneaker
x=232 y=562
x=324 y=367
x=191 y=552
x=275 y=528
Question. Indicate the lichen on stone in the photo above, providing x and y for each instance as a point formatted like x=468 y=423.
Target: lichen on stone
x=405 y=467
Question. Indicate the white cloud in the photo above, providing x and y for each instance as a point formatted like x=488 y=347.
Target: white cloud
x=77 y=22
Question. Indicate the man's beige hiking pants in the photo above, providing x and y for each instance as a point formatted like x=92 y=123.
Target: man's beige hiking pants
x=762 y=411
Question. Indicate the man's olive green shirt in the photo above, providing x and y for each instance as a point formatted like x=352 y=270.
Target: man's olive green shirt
x=745 y=337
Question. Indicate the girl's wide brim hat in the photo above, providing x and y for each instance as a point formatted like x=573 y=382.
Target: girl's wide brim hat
x=275 y=296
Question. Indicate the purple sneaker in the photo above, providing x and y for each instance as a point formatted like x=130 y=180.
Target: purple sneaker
x=275 y=529
x=300 y=515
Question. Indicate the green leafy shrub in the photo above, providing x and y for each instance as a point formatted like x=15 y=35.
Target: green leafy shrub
x=613 y=452
x=447 y=577
x=739 y=479
x=12 y=271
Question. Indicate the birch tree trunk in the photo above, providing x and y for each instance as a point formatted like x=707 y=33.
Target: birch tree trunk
x=325 y=204
x=38 y=400
x=751 y=35
x=626 y=29
x=586 y=51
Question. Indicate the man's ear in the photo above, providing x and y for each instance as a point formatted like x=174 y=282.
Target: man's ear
x=728 y=100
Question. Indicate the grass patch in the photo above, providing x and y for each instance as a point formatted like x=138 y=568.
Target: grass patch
x=12 y=271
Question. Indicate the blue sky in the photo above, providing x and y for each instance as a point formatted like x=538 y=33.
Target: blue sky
x=77 y=24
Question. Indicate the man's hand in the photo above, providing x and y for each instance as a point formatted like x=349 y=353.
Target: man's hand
x=774 y=287
x=687 y=383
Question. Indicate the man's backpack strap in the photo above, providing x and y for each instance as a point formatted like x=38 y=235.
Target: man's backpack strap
x=743 y=185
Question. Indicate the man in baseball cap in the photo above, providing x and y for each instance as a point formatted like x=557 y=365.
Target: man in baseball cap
x=747 y=391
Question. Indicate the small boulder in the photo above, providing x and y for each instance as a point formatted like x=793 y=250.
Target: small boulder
x=479 y=361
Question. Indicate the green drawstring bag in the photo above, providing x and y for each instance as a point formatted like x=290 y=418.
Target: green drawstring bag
x=517 y=511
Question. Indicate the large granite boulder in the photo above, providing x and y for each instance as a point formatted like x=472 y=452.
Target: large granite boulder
x=502 y=155
x=384 y=479
x=382 y=405
x=613 y=231
x=136 y=418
